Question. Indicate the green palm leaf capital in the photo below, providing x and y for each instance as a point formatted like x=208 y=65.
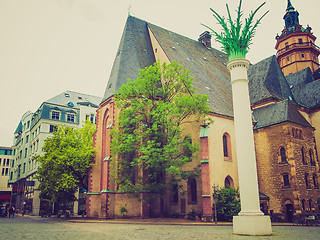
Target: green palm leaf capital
x=236 y=37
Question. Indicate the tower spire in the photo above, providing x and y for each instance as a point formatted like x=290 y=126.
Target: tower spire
x=290 y=7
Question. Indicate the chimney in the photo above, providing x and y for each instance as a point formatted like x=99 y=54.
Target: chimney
x=205 y=39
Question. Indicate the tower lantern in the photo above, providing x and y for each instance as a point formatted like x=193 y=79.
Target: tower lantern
x=295 y=46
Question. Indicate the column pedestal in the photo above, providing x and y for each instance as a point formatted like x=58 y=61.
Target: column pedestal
x=252 y=225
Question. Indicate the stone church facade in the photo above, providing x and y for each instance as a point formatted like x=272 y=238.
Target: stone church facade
x=285 y=122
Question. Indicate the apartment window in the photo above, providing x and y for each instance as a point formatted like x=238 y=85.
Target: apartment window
x=24 y=168
x=28 y=124
x=25 y=152
x=12 y=163
x=11 y=175
x=8 y=161
x=52 y=128
x=92 y=118
x=0 y=161
x=70 y=117
x=7 y=172
x=27 y=138
x=283 y=156
x=286 y=181
x=306 y=179
x=4 y=162
x=55 y=115
x=2 y=172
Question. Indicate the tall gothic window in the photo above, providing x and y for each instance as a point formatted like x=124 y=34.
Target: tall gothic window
x=192 y=191
x=226 y=141
x=283 y=155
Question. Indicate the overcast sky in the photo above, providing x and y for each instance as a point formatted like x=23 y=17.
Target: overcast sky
x=49 y=46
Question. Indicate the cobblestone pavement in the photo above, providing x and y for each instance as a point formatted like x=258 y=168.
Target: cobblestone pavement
x=51 y=228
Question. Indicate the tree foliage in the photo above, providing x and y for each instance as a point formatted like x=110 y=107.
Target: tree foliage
x=65 y=164
x=148 y=143
x=228 y=203
x=235 y=43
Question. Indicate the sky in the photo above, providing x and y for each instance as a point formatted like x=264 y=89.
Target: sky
x=50 y=46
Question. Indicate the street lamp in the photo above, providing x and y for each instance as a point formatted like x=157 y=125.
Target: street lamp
x=215 y=200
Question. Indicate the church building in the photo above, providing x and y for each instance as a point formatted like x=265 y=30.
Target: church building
x=285 y=102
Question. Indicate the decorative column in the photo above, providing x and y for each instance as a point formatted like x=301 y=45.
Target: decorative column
x=250 y=220
x=235 y=42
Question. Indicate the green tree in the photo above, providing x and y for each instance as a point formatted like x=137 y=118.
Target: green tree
x=148 y=143
x=65 y=164
x=228 y=203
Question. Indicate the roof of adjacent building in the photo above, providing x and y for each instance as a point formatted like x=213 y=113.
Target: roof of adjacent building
x=276 y=113
x=74 y=99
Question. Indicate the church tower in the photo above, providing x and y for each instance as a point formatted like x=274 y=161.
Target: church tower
x=296 y=49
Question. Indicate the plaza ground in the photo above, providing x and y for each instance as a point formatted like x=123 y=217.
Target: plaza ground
x=35 y=228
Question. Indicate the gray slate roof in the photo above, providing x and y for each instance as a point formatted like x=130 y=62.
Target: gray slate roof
x=77 y=99
x=267 y=81
x=208 y=67
x=135 y=52
x=305 y=89
x=277 y=113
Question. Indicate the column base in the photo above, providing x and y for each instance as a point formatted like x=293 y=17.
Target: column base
x=252 y=225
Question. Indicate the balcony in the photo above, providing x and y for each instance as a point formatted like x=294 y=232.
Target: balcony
x=298 y=45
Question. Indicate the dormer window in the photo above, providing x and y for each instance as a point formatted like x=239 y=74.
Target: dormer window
x=55 y=115
x=70 y=117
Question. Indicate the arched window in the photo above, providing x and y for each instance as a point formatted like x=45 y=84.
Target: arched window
x=283 y=155
x=304 y=162
x=228 y=182
x=226 y=146
x=192 y=191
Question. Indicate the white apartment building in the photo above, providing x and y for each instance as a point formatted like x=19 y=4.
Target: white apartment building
x=69 y=109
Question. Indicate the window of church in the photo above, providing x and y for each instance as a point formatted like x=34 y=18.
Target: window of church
x=228 y=182
x=312 y=161
x=306 y=179
x=310 y=204
x=315 y=181
x=283 y=156
x=304 y=162
x=303 y=203
x=286 y=180
x=192 y=191
x=226 y=141
x=175 y=194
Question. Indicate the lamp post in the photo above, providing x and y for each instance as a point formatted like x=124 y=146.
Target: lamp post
x=215 y=203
